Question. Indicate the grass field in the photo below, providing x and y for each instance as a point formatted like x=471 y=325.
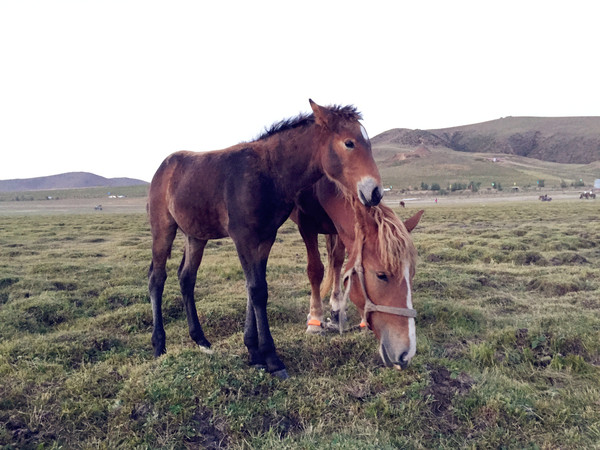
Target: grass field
x=508 y=355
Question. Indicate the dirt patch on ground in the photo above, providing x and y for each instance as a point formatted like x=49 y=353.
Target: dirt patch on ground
x=444 y=387
x=211 y=431
x=568 y=258
x=587 y=303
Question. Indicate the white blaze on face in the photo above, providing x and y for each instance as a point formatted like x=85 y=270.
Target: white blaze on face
x=364 y=133
x=412 y=332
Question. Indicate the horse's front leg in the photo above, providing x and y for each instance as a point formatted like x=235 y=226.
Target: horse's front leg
x=257 y=334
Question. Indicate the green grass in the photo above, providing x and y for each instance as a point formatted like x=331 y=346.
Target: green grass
x=508 y=354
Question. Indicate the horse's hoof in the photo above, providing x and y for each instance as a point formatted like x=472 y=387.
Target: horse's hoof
x=314 y=329
x=332 y=326
x=259 y=366
x=201 y=341
x=314 y=326
x=206 y=350
x=281 y=374
x=158 y=344
x=335 y=317
x=159 y=351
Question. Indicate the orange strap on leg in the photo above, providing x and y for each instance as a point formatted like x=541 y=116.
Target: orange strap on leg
x=314 y=323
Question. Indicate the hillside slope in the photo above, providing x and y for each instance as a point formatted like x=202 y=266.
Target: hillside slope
x=69 y=180
x=514 y=151
x=570 y=140
x=408 y=169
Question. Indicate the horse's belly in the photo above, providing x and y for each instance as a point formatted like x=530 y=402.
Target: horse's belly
x=202 y=222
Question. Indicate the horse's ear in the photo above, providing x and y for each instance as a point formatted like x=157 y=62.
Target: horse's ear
x=411 y=223
x=319 y=112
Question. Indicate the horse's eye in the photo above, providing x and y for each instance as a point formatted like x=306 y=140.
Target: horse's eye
x=382 y=276
x=349 y=144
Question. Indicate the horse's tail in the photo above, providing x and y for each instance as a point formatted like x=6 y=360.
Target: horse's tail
x=332 y=241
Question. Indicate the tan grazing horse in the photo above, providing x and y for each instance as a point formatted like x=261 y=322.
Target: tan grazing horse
x=380 y=267
x=247 y=192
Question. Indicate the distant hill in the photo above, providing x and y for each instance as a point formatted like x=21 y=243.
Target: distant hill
x=69 y=180
x=514 y=151
x=570 y=140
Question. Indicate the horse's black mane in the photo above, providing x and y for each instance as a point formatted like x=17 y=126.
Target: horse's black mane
x=342 y=112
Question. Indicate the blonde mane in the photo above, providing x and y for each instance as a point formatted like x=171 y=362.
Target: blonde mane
x=394 y=244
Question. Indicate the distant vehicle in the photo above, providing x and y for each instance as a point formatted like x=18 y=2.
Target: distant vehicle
x=545 y=198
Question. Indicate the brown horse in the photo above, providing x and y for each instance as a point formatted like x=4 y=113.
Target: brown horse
x=247 y=192
x=381 y=266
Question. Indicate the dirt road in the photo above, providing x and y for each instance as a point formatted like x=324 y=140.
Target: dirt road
x=138 y=204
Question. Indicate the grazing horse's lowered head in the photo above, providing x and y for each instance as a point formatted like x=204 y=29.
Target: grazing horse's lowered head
x=381 y=267
x=347 y=159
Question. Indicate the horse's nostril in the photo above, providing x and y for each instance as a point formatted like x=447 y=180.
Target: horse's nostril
x=376 y=196
x=403 y=361
x=369 y=192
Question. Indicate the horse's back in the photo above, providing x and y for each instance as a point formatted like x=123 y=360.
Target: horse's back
x=207 y=193
x=187 y=189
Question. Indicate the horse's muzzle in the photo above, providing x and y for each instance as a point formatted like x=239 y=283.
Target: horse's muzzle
x=390 y=360
x=369 y=192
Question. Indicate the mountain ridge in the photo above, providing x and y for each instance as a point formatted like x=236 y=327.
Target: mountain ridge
x=68 y=180
x=567 y=140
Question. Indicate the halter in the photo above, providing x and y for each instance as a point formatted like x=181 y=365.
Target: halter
x=369 y=305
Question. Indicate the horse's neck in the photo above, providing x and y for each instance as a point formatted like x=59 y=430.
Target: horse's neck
x=295 y=159
x=339 y=209
x=352 y=229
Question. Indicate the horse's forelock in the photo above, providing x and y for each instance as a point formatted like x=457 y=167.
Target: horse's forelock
x=348 y=113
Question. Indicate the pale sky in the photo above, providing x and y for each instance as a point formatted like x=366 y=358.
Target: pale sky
x=113 y=87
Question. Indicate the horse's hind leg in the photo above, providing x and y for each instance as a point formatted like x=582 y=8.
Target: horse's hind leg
x=315 y=271
x=157 y=275
x=194 y=249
